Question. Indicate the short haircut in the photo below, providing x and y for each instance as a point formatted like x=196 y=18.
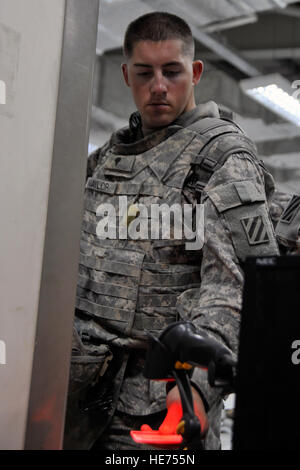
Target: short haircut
x=158 y=26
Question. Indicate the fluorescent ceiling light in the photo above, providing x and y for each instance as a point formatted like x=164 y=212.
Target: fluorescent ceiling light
x=275 y=93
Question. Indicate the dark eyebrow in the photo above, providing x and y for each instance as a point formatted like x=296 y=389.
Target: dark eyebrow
x=143 y=65
x=168 y=64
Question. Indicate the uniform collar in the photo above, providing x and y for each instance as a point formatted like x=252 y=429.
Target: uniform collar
x=130 y=140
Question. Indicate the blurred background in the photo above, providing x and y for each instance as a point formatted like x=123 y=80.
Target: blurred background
x=251 y=55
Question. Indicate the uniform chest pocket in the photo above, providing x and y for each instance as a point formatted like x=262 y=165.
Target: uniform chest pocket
x=108 y=285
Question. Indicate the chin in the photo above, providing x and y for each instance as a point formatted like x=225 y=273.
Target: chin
x=161 y=121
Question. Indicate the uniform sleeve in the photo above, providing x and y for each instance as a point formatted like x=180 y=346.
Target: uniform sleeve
x=288 y=223
x=236 y=225
x=277 y=205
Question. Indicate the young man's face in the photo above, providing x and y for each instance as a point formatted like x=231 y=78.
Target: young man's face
x=162 y=79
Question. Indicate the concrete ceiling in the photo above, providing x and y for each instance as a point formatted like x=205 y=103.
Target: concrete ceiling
x=237 y=33
x=205 y=15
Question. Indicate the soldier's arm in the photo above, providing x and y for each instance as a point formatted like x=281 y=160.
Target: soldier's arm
x=237 y=225
x=277 y=205
x=285 y=214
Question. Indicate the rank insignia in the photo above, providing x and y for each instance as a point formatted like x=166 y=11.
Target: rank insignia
x=255 y=229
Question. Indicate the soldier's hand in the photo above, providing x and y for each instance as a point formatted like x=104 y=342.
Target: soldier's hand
x=174 y=414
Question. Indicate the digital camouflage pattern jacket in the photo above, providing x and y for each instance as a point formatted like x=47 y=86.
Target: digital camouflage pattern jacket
x=129 y=286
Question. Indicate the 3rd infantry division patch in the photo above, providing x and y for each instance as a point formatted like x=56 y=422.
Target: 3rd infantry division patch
x=255 y=229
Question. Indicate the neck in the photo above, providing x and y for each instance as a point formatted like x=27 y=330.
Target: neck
x=147 y=130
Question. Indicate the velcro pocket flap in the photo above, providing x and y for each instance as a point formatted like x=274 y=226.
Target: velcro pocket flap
x=234 y=194
x=86 y=370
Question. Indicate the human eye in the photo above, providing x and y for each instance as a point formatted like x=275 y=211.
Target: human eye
x=171 y=73
x=146 y=73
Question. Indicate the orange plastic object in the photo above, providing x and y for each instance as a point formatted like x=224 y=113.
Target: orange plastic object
x=166 y=434
x=155 y=438
x=172 y=419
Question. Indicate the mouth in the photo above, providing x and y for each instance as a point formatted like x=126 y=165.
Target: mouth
x=159 y=104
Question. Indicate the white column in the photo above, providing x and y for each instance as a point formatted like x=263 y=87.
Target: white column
x=42 y=133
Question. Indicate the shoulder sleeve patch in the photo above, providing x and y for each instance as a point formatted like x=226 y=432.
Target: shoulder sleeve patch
x=244 y=209
x=251 y=230
x=255 y=229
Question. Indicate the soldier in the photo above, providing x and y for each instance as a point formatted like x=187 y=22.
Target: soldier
x=172 y=152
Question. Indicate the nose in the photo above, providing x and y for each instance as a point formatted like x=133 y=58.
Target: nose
x=158 y=85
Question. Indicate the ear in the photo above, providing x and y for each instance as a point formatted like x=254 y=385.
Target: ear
x=125 y=74
x=197 y=71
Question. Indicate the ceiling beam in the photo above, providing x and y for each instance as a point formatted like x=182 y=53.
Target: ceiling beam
x=289 y=11
x=229 y=23
x=263 y=54
x=225 y=52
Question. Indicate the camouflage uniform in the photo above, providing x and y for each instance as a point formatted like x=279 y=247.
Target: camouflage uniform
x=126 y=287
x=285 y=214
